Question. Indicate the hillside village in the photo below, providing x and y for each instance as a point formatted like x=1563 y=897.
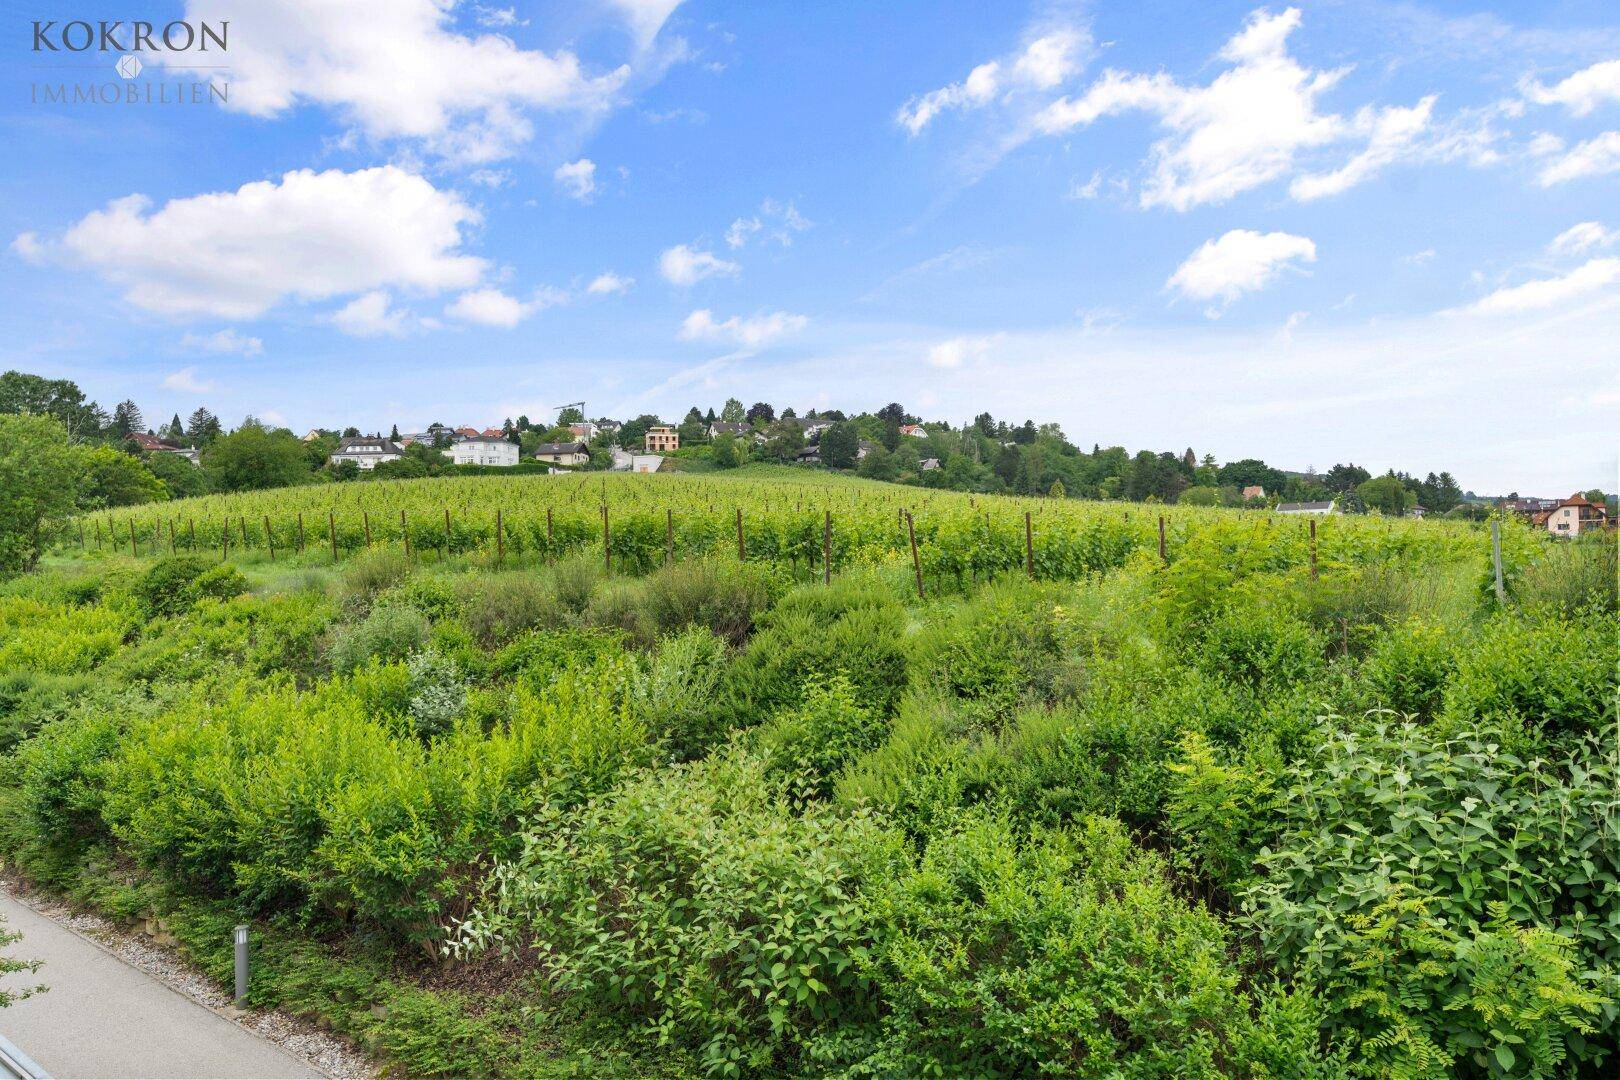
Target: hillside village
x=984 y=455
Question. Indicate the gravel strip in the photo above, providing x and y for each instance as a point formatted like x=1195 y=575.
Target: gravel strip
x=322 y=1050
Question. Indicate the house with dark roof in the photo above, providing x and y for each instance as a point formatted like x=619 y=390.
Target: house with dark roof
x=151 y=444
x=567 y=453
x=367 y=451
x=1328 y=506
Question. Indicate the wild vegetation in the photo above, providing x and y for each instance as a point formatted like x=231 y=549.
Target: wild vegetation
x=1241 y=806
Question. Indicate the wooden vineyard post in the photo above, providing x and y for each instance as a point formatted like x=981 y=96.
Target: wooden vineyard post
x=242 y=521
x=132 y=550
x=500 y=539
x=171 y=537
x=1029 y=546
x=404 y=533
x=607 y=547
x=548 y=532
x=742 y=550
x=1496 y=561
x=365 y=519
x=98 y=536
x=300 y=548
x=826 y=549
x=331 y=533
x=269 y=538
x=1313 y=549
x=1164 y=555
x=225 y=540
x=669 y=535
x=447 y=532
x=916 y=564
x=191 y=528
x=81 y=534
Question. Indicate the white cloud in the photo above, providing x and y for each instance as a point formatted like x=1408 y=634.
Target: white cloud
x=490 y=178
x=954 y=352
x=1583 y=237
x=492 y=307
x=1241 y=261
x=1088 y=190
x=646 y=17
x=308 y=236
x=186 y=381
x=681 y=265
x=753 y=331
x=397 y=69
x=1418 y=258
x=1596 y=156
x=29 y=246
x=1581 y=92
x=371 y=315
x=1595 y=275
x=1391 y=133
x=577 y=179
x=225 y=341
x=497 y=18
x=1042 y=64
x=607 y=283
x=775 y=221
x=1255 y=122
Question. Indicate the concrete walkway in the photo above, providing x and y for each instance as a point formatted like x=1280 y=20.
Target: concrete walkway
x=103 y=1018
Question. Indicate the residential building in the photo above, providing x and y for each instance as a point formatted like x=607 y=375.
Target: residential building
x=367 y=451
x=1573 y=516
x=1331 y=506
x=484 y=449
x=646 y=463
x=928 y=464
x=1253 y=491
x=915 y=431
x=810 y=455
x=725 y=427
x=151 y=444
x=312 y=434
x=662 y=440
x=584 y=431
x=813 y=428
x=864 y=447
x=568 y=453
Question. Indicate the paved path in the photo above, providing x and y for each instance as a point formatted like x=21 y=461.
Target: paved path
x=103 y=1018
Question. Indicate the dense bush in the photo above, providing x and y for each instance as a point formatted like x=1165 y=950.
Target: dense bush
x=390 y=632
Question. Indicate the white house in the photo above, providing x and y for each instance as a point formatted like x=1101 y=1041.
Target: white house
x=1328 y=507
x=484 y=450
x=367 y=451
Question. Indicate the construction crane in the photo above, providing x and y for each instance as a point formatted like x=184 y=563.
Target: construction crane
x=580 y=405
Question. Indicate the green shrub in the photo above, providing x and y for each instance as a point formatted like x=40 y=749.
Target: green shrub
x=574 y=580
x=388 y=633
x=164 y=589
x=1066 y=952
x=1259 y=648
x=59 y=774
x=432 y=597
x=698 y=900
x=853 y=629
x=1571 y=579
x=219 y=582
x=825 y=730
x=919 y=774
x=372 y=572
x=438 y=695
x=1556 y=676
x=724 y=597
x=1408 y=668
x=1348 y=605
x=498 y=607
x=676 y=690
x=997 y=650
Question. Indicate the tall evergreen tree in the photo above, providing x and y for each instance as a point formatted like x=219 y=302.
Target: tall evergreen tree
x=126 y=420
x=202 y=428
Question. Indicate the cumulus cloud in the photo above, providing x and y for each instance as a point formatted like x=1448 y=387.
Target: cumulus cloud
x=1044 y=61
x=682 y=265
x=607 y=283
x=1239 y=262
x=1251 y=125
x=307 y=236
x=753 y=331
x=1597 y=156
x=372 y=315
x=1593 y=276
x=187 y=381
x=1583 y=237
x=646 y=17
x=225 y=341
x=577 y=179
x=398 y=69
x=1581 y=92
x=954 y=352
x=775 y=221
x=492 y=307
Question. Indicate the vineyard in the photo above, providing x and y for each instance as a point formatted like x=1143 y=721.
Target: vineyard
x=765 y=775
x=636 y=523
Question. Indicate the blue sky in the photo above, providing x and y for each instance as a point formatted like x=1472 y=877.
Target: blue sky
x=1369 y=231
